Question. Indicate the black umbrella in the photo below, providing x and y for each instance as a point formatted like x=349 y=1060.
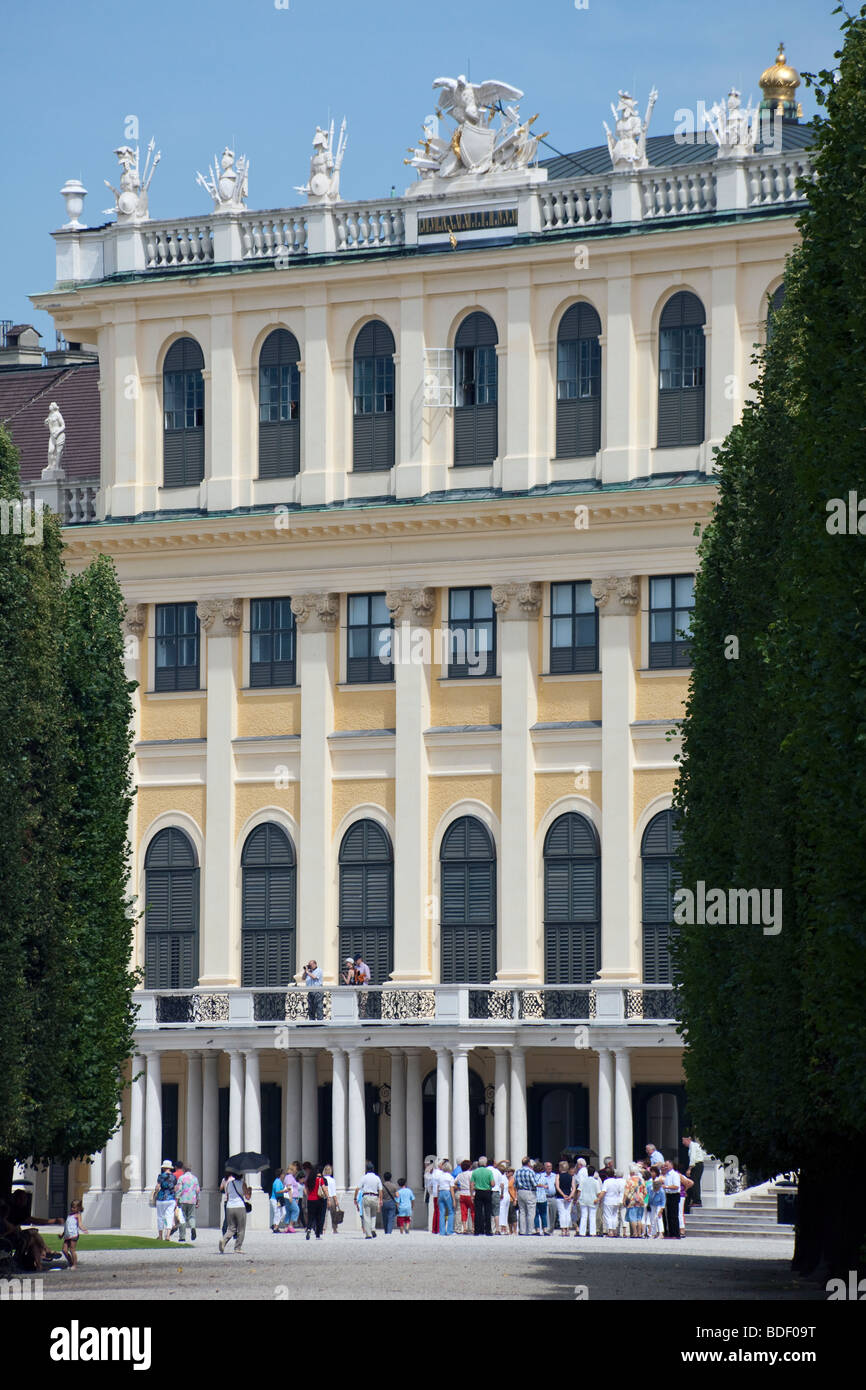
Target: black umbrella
x=247 y=1163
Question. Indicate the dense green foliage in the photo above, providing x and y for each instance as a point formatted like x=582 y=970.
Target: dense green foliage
x=773 y=778
x=65 y=793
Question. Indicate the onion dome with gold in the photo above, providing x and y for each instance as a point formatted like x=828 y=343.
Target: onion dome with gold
x=779 y=85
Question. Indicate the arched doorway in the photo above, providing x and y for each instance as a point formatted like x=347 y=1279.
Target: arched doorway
x=477 y=1116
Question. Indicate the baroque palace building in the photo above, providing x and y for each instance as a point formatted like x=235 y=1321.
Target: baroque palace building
x=404 y=498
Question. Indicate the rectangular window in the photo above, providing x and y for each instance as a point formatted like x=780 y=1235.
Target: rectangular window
x=681 y=358
x=368 y=655
x=578 y=369
x=279 y=393
x=476 y=376
x=272 y=642
x=177 y=647
x=672 y=599
x=573 y=628
x=184 y=400
x=374 y=385
x=471 y=633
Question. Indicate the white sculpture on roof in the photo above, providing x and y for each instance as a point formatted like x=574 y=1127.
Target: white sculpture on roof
x=734 y=130
x=324 y=181
x=228 y=182
x=476 y=146
x=131 y=197
x=627 y=144
x=56 y=426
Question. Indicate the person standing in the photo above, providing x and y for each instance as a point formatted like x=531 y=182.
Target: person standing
x=317 y=1202
x=362 y=977
x=463 y=1188
x=333 y=1202
x=564 y=1192
x=634 y=1198
x=187 y=1193
x=541 y=1201
x=164 y=1200
x=313 y=981
x=694 y=1171
x=550 y=1179
x=73 y=1227
x=588 y=1193
x=368 y=1195
x=405 y=1203
x=501 y=1199
x=653 y=1155
x=612 y=1195
x=237 y=1196
x=442 y=1191
x=656 y=1202
x=525 y=1186
x=483 y=1186
x=671 y=1185
x=389 y=1203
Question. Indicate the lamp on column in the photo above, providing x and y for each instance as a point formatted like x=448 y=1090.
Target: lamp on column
x=487 y=1105
x=383 y=1104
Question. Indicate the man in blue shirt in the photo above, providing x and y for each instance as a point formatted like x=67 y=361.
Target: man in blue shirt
x=525 y=1186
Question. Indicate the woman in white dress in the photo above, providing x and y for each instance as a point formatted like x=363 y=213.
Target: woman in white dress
x=501 y=1171
x=589 y=1189
x=613 y=1190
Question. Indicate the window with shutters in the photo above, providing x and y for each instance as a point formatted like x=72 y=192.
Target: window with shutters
x=476 y=436
x=268 y=900
x=777 y=299
x=366 y=865
x=578 y=383
x=471 y=633
x=682 y=350
x=373 y=399
x=368 y=636
x=659 y=882
x=467 y=889
x=279 y=406
x=171 y=912
x=672 y=601
x=272 y=642
x=176 y=664
x=183 y=414
x=572 y=901
x=573 y=628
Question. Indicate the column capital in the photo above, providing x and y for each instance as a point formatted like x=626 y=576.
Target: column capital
x=517 y=601
x=396 y=1051
x=517 y=1050
x=135 y=620
x=462 y=1049
x=220 y=617
x=621 y=1051
x=316 y=612
x=414 y=606
x=616 y=596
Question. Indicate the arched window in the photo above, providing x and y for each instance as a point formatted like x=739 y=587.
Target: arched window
x=367 y=898
x=170 y=912
x=660 y=843
x=476 y=436
x=267 y=909
x=777 y=299
x=682 y=355
x=373 y=417
x=279 y=406
x=572 y=901
x=183 y=414
x=468 y=897
x=578 y=383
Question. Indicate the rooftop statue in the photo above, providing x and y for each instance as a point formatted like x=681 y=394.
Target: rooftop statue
x=56 y=427
x=628 y=145
x=228 y=182
x=324 y=181
x=476 y=146
x=131 y=197
x=734 y=130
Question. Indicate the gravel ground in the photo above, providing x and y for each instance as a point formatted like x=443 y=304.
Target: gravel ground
x=420 y=1266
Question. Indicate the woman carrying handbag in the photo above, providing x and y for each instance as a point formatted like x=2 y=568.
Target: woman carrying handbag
x=317 y=1202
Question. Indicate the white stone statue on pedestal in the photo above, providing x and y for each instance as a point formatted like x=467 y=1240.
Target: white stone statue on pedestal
x=476 y=145
x=56 y=427
x=324 y=181
x=131 y=198
x=734 y=130
x=628 y=144
x=228 y=182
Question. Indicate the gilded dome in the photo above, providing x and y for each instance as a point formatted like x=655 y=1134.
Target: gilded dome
x=780 y=82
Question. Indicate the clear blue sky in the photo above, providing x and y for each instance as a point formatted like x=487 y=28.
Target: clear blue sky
x=200 y=73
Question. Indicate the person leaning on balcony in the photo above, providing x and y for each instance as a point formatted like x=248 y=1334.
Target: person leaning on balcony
x=347 y=974
x=313 y=981
x=525 y=1185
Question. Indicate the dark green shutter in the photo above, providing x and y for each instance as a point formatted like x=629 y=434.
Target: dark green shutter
x=280 y=440
x=367 y=898
x=268 y=909
x=468 y=903
x=476 y=429
x=183 y=449
x=171 y=912
x=578 y=421
x=681 y=411
x=572 y=901
x=373 y=434
x=659 y=881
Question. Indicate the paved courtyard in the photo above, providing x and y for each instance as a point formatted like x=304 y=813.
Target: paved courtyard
x=420 y=1266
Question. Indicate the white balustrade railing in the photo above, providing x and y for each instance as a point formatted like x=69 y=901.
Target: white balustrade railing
x=182 y=243
x=774 y=180
x=265 y=237
x=574 y=205
x=368 y=226
x=678 y=192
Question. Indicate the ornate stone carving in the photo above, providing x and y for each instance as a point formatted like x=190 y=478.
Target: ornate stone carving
x=220 y=617
x=228 y=182
x=627 y=144
x=476 y=146
x=734 y=130
x=323 y=185
x=415 y=606
x=135 y=620
x=56 y=426
x=617 y=595
x=316 y=612
x=131 y=198
x=517 y=600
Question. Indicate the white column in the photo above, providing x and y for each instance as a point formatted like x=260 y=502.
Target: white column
x=316 y=617
x=292 y=1110
x=443 y=1103
x=520 y=463
x=135 y=1166
x=153 y=1155
x=316 y=479
x=309 y=1107
x=193 y=1142
x=253 y=1111
x=620 y=440
x=622 y=1105
x=209 y=1177
x=414 y=1123
x=97 y=1171
x=726 y=385
x=517 y=1106
x=236 y=1102
x=219 y=935
x=114 y=1156
x=605 y=1097
x=500 y=1106
x=617 y=600
x=413 y=611
x=339 y=1088
x=398 y=1115
x=412 y=451
x=460 y=1124
x=517 y=608
x=357 y=1131
x=228 y=460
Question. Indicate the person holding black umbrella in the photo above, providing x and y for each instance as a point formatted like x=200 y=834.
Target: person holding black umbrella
x=237 y=1195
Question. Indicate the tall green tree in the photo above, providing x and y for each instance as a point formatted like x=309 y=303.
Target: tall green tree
x=773 y=785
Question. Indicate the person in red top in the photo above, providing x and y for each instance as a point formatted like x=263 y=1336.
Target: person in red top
x=317 y=1202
